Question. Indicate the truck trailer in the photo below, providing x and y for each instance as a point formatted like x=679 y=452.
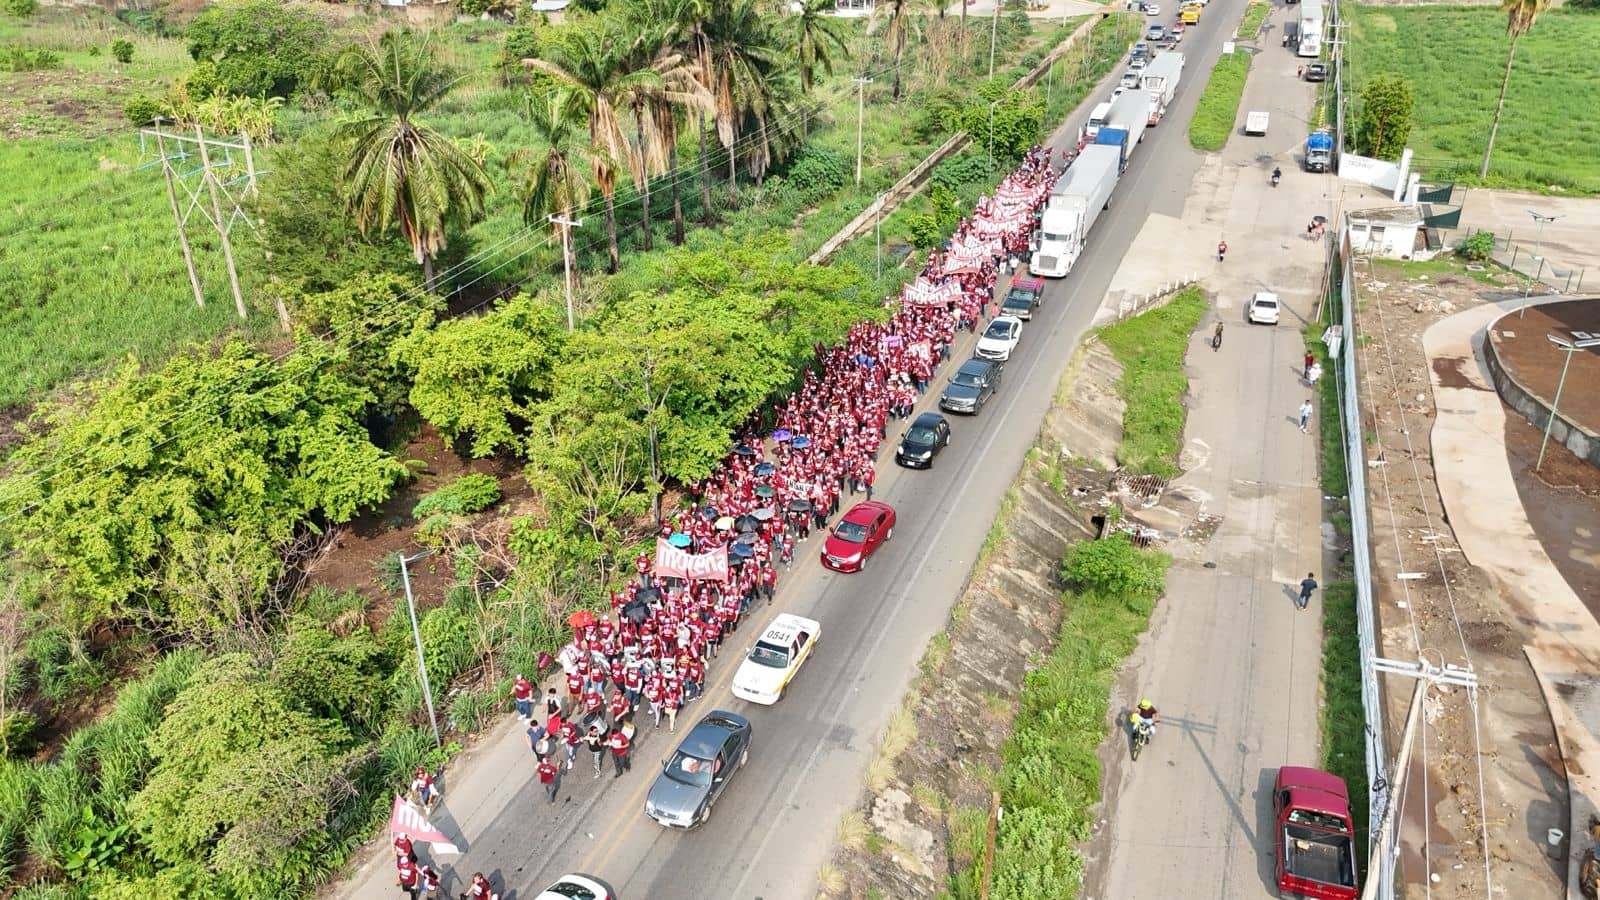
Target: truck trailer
x=1131 y=113
x=1310 y=29
x=1075 y=203
x=1160 y=80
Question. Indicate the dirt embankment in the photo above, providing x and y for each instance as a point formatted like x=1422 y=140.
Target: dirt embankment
x=922 y=818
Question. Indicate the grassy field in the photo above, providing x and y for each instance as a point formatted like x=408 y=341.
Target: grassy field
x=1254 y=15
x=1219 y=103
x=1151 y=348
x=1549 y=138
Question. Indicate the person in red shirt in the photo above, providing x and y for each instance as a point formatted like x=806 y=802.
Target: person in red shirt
x=550 y=777
x=633 y=684
x=769 y=582
x=422 y=788
x=572 y=737
x=652 y=692
x=593 y=702
x=618 y=707
x=574 y=688
x=621 y=751
x=670 y=703
x=429 y=882
x=479 y=889
x=410 y=879
x=522 y=696
x=402 y=847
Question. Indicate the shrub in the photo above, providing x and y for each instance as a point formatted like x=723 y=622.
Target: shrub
x=467 y=494
x=122 y=50
x=446 y=645
x=817 y=171
x=953 y=174
x=22 y=9
x=923 y=230
x=28 y=59
x=142 y=109
x=1477 y=247
x=19 y=734
x=1113 y=566
x=17 y=792
x=261 y=48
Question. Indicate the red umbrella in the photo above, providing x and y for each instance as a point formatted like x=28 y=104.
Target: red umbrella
x=581 y=619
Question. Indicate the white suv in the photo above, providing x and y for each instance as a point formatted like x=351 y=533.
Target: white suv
x=1263 y=308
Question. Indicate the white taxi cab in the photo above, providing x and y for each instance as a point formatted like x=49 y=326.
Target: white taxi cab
x=782 y=648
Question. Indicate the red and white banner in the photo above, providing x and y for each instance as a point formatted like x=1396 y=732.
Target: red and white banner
x=672 y=562
x=407 y=819
x=923 y=292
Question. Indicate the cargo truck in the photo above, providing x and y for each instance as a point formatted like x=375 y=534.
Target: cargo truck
x=1316 y=855
x=1116 y=139
x=1310 y=18
x=1074 y=205
x=1131 y=112
x=1160 y=80
x=1319 y=151
x=1097 y=118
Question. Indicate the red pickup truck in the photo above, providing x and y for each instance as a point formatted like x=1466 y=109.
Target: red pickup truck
x=1316 y=843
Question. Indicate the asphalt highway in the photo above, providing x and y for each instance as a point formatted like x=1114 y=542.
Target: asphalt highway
x=775 y=823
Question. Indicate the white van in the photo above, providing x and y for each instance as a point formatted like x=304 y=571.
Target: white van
x=1097 y=117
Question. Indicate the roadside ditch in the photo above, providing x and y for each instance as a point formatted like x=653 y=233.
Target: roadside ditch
x=1024 y=663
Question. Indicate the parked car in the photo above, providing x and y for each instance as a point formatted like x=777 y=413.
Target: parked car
x=971 y=386
x=698 y=771
x=1317 y=71
x=928 y=434
x=1315 y=836
x=775 y=659
x=865 y=527
x=1000 y=338
x=1263 y=308
x=577 y=887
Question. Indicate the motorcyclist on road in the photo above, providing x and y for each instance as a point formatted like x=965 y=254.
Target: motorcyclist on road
x=1222 y=250
x=1277 y=173
x=1145 y=717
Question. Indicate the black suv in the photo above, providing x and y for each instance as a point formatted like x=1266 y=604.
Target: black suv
x=971 y=387
x=923 y=441
x=1317 y=71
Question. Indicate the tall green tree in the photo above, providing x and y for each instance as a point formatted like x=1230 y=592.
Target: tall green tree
x=556 y=180
x=1520 y=18
x=596 y=64
x=1384 y=124
x=816 y=36
x=655 y=107
x=902 y=19
x=742 y=51
x=401 y=171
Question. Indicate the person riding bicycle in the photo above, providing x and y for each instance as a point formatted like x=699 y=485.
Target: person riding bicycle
x=1145 y=717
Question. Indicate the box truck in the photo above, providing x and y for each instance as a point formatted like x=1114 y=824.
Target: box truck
x=1160 y=80
x=1074 y=205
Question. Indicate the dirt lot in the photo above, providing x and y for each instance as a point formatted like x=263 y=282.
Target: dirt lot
x=923 y=815
x=1450 y=612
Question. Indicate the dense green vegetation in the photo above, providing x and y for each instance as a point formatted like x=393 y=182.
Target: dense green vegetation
x=1543 y=142
x=1254 y=15
x=159 y=514
x=1151 y=348
x=1219 y=102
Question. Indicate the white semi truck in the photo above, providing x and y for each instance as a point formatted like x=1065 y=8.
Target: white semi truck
x=1079 y=196
x=1160 y=80
x=1310 y=29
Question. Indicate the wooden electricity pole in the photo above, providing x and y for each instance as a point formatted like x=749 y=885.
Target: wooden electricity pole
x=177 y=215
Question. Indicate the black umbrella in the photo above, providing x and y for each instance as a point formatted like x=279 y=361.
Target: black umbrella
x=647 y=595
x=764 y=469
x=709 y=513
x=1319 y=219
x=746 y=523
x=636 y=612
x=800 y=505
x=746 y=537
x=744 y=450
x=742 y=552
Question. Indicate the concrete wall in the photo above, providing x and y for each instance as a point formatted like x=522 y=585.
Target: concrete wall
x=1584 y=443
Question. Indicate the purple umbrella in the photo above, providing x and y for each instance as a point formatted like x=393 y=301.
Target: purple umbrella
x=781 y=435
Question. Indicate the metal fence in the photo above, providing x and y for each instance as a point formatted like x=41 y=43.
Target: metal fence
x=1361 y=552
x=1532 y=264
x=1132 y=306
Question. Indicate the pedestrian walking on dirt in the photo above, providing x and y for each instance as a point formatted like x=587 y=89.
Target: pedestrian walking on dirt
x=522 y=696
x=1305 y=415
x=1306 y=587
x=596 y=743
x=550 y=777
x=428 y=882
x=409 y=878
x=1216 y=338
x=1311 y=360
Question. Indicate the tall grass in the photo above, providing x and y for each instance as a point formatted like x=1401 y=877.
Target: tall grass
x=1151 y=348
x=17 y=792
x=1219 y=102
x=1343 y=719
x=1454 y=57
x=1254 y=15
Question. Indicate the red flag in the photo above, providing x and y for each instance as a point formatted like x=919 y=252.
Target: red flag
x=410 y=820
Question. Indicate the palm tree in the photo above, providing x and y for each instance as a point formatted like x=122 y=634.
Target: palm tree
x=813 y=33
x=556 y=180
x=1520 y=16
x=400 y=170
x=595 y=63
x=655 y=107
x=742 y=51
x=902 y=20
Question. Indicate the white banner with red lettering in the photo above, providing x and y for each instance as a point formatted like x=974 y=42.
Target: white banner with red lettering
x=923 y=292
x=673 y=562
x=408 y=820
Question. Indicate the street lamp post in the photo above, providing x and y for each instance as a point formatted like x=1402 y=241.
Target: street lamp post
x=991 y=133
x=567 y=225
x=861 y=110
x=1569 y=346
x=416 y=634
x=1538 y=248
x=994 y=32
x=877 y=227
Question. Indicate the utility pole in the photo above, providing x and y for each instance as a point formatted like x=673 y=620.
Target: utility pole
x=416 y=634
x=991 y=133
x=994 y=32
x=861 y=108
x=566 y=225
x=1568 y=345
x=877 y=227
x=1380 y=867
x=177 y=215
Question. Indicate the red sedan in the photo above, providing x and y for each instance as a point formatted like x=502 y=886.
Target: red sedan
x=858 y=535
